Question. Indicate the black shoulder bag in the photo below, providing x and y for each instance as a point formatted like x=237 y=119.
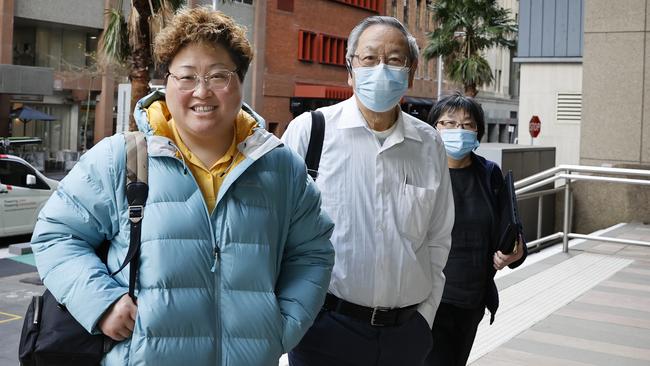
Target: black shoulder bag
x=312 y=159
x=50 y=335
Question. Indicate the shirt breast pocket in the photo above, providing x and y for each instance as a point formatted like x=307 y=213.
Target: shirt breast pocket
x=414 y=210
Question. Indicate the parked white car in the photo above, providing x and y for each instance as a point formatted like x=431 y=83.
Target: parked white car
x=23 y=192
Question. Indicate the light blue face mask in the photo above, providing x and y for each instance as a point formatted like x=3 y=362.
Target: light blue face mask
x=379 y=88
x=459 y=142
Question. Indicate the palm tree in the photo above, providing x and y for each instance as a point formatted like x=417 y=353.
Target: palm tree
x=467 y=28
x=129 y=43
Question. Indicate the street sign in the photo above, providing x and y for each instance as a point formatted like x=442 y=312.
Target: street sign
x=534 y=126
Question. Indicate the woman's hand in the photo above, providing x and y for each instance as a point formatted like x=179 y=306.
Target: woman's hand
x=118 y=321
x=500 y=260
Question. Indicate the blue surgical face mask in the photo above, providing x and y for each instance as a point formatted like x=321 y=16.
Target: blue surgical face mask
x=379 y=88
x=459 y=142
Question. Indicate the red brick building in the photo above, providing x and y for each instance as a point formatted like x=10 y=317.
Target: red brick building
x=304 y=47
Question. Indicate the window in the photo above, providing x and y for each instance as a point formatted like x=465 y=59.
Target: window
x=429 y=15
x=286 y=5
x=249 y=2
x=393 y=7
x=307 y=46
x=332 y=50
x=372 y=5
x=406 y=13
x=569 y=107
x=15 y=174
x=497 y=86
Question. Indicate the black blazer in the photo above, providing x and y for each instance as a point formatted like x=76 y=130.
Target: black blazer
x=491 y=182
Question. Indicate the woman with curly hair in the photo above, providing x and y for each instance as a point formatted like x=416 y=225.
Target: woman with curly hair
x=235 y=256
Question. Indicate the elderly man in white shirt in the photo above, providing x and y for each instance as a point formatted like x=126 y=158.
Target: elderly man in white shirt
x=384 y=181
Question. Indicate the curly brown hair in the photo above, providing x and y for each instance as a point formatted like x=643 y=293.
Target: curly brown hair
x=203 y=25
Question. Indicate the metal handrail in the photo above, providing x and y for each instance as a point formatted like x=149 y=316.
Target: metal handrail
x=581 y=169
x=568 y=173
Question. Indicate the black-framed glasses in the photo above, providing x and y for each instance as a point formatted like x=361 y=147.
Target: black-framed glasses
x=373 y=59
x=215 y=81
x=456 y=124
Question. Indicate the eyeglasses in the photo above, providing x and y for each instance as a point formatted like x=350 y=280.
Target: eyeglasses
x=216 y=81
x=370 y=60
x=456 y=124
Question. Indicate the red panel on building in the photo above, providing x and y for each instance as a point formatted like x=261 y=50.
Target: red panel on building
x=307 y=46
x=332 y=50
x=373 y=5
x=286 y=5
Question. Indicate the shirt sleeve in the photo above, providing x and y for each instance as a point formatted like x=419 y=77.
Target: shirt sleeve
x=438 y=237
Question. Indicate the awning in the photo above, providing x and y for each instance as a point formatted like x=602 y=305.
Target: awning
x=322 y=91
x=29 y=114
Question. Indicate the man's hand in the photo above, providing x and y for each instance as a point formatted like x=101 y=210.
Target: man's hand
x=501 y=260
x=118 y=321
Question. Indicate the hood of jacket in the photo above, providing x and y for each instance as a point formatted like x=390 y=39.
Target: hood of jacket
x=253 y=147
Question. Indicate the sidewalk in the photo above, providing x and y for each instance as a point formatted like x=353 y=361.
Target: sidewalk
x=588 y=307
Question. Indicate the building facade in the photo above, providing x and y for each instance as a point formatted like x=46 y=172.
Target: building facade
x=304 y=55
x=54 y=46
x=500 y=100
x=615 y=128
x=549 y=55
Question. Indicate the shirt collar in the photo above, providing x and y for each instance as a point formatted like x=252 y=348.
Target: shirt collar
x=410 y=132
x=351 y=117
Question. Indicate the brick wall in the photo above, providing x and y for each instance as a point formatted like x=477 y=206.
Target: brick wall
x=283 y=69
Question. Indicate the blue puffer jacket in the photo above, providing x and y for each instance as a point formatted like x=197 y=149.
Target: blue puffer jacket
x=244 y=306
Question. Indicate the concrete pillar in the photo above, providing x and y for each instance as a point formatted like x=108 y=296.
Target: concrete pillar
x=104 y=108
x=6 y=57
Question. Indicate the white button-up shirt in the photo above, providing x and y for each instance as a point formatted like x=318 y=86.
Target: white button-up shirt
x=392 y=205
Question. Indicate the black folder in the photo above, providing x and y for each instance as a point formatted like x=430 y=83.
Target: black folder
x=509 y=223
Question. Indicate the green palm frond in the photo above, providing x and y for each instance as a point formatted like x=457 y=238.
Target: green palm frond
x=483 y=25
x=474 y=70
x=113 y=44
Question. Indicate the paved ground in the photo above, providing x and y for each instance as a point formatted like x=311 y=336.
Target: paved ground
x=598 y=314
x=14 y=299
x=588 y=307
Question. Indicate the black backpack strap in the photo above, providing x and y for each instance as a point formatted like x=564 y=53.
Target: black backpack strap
x=315 y=143
x=137 y=191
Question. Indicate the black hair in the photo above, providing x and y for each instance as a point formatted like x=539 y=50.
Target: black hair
x=459 y=102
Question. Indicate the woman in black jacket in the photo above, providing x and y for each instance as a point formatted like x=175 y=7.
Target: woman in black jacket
x=474 y=258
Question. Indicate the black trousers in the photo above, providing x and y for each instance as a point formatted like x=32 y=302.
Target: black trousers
x=454 y=330
x=338 y=340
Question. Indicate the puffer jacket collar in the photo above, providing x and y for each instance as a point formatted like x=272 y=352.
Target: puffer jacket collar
x=254 y=147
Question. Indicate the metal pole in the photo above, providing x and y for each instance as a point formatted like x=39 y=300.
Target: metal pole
x=570 y=209
x=439 y=76
x=567 y=193
x=539 y=216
